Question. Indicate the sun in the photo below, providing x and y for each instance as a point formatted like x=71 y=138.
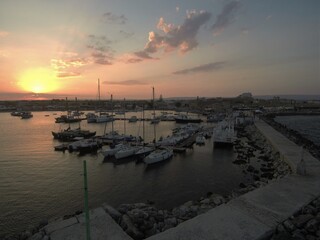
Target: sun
x=38 y=80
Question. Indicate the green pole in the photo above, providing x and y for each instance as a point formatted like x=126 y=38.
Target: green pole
x=86 y=199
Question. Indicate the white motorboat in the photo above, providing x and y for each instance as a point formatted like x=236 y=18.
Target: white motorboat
x=91 y=117
x=158 y=156
x=223 y=133
x=104 y=118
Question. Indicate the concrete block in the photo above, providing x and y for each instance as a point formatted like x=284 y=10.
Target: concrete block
x=223 y=222
x=51 y=227
x=102 y=227
x=93 y=214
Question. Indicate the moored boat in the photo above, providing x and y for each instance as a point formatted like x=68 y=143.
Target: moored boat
x=26 y=115
x=223 y=134
x=71 y=134
x=183 y=118
x=158 y=156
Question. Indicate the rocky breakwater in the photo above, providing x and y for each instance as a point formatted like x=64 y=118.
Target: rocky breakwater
x=304 y=225
x=141 y=220
x=293 y=135
x=259 y=161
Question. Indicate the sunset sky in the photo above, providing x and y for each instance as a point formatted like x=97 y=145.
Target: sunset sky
x=206 y=48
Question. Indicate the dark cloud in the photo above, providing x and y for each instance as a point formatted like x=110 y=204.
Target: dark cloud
x=68 y=74
x=102 y=53
x=126 y=82
x=126 y=34
x=202 y=68
x=133 y=60
x=226 y=17
x=109 y=17
x=143 y=54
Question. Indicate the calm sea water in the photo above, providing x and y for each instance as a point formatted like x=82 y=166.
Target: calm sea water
x=307 y=126
x=39 y=183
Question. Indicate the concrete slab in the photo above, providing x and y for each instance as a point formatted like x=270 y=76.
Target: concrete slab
x=102 y=227
x=93 y=213
x=278 y=201
x=223 y=222
x=51 y=227
x=290 y=152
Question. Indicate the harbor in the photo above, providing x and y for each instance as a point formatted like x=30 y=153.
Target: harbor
x=277 y=198
x=48 y=171
x=180 y=163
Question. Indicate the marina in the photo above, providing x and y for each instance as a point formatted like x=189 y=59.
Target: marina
x=42 y=193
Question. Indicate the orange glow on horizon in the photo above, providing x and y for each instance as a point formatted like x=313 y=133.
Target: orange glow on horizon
x=38 y=80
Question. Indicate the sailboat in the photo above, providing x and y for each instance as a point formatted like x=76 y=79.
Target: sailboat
x=159 y=154
x=143 y=150
x=127 y=150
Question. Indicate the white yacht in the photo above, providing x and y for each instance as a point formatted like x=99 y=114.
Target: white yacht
x=223 y=133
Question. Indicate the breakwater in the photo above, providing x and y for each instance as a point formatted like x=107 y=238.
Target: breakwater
x=293 y=135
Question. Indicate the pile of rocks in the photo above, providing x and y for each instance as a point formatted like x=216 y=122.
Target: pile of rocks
x=305 y=225
x=258 y=159
x=141 y=220
x=34 y=233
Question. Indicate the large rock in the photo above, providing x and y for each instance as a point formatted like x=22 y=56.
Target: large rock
x=37 y=236
x=115 y=214
x=289 y=225
x=124 y=208
x=217 y=199
x=301 y=220
x=130 y=228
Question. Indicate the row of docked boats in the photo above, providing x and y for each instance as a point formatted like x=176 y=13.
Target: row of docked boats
x=22 y=114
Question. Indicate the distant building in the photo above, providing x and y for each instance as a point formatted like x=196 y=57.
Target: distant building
x=245 y=95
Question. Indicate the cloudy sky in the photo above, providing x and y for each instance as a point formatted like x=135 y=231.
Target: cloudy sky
x=206 y=48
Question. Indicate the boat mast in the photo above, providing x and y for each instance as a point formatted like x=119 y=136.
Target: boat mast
x=112 y=113
x=154 y=115
x=99 y=90
x=143 y=135
x=124 y=116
